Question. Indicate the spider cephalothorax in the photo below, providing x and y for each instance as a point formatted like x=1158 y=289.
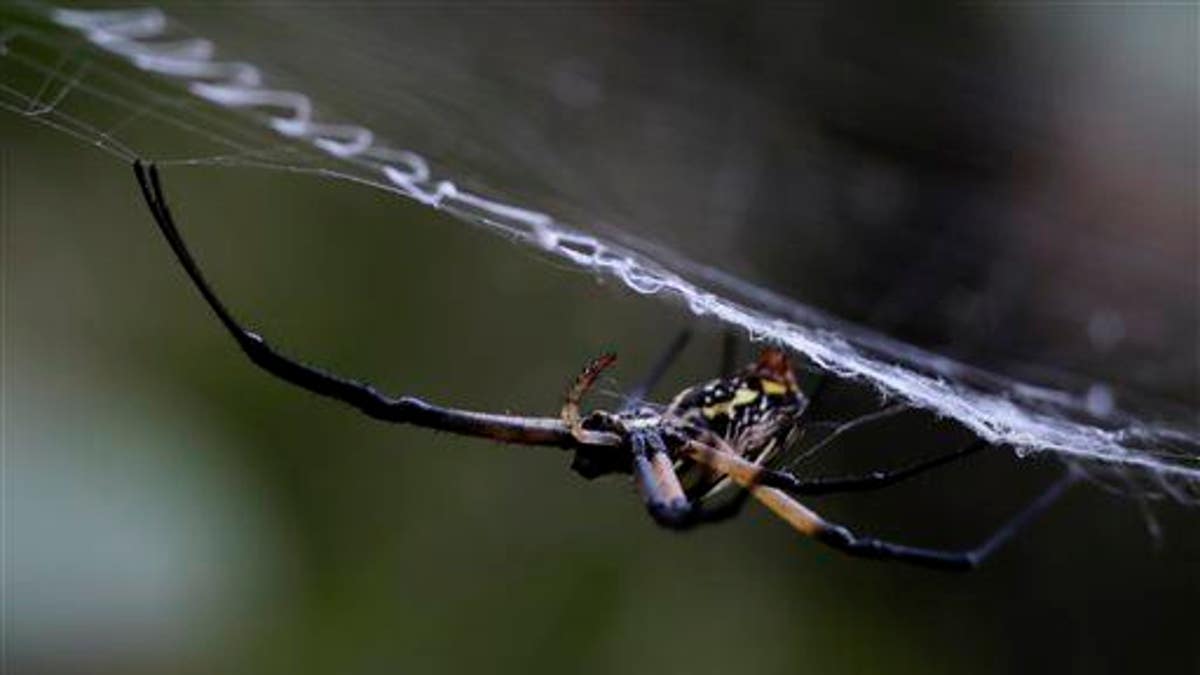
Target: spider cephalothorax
x=712 y=436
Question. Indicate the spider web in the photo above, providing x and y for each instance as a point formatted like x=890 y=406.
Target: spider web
x=102 y=76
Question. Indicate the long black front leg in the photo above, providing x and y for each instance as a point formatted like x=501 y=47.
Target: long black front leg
x=403 y=409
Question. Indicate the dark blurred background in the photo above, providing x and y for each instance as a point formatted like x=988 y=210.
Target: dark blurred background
x=1011 y=185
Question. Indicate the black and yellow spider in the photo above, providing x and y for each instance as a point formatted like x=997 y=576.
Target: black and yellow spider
x=711 y=439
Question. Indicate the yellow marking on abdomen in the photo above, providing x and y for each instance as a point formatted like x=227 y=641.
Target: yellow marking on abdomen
x=774 y=388
x=743 y=396
x=717 y=409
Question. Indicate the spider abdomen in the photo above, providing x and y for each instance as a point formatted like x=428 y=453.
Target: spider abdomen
x=752 y=412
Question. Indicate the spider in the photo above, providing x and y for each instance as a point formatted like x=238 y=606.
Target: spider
x=713 y=439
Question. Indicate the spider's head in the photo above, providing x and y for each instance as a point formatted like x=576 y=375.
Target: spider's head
x=641 y=420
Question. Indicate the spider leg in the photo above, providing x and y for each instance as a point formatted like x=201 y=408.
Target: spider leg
x=707 y=513
x=848 y=542
x=637 y=395
x=404 y=409
x=871 y=481
x=808 y=522
x=570 y=414
x=793 y=484
x=731 y=506
x=654 y=473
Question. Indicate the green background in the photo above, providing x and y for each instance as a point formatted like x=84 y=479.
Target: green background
x=169 y=508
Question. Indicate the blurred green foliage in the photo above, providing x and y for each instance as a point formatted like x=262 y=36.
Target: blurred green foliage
x=170 y=508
